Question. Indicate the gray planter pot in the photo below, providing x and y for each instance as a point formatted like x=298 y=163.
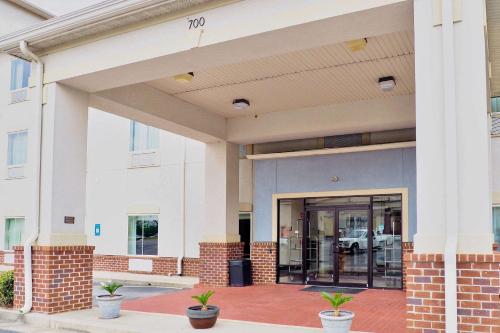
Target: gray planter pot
x=109 y=306
x=202 y=319
x=332 y=324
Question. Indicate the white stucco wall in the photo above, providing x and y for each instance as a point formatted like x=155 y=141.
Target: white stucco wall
x=115 y=190
x=15 y=194
x=13 y=17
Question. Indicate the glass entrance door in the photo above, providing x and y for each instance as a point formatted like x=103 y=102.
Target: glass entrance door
x=320 y=245
x=337 y=247
x=356 y=244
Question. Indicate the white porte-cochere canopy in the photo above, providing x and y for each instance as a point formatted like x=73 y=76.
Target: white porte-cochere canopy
x=292 y=62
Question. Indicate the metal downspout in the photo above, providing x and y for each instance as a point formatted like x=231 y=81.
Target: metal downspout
x=37 y=134
x=451 y=167
x=183 y=214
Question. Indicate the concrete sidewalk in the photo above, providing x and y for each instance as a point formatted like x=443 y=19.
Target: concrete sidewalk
x=139 y=322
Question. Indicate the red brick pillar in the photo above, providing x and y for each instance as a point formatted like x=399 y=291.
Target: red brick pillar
x=478 y=280
x=264 y=259
x=407 y=249
x=214 y=259
x=62 y=278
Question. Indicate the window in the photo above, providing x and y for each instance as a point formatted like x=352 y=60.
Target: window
x=17 y=148
x=13 y=232
x=19 y=74
x=496 y=224
x=143 y=235
x=142 y=137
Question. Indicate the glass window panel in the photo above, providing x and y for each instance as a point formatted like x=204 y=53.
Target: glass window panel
x=17 y=148
x=291 y=219
x=496 y=224
x=132 y=225
x=153 y=137
x=143 y=235
x=13 y=232
x=19 y=74
x=387 y=250
x=143 y=137
x=339 y=201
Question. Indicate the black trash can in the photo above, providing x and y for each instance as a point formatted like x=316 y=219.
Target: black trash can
x=240 y=273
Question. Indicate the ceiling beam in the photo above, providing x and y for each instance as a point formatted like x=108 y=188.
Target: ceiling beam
x=354 y=117
x=155 y=108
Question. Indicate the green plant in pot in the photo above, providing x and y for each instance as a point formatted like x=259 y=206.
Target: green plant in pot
x=336 y=320
x=110 y=304
x=203 y=316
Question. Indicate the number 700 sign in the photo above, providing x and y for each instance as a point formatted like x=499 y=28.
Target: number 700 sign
x=196 y=22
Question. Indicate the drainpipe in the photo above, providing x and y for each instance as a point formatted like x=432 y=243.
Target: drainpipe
x=451 y=167
x=37 y=134
x=183 y=214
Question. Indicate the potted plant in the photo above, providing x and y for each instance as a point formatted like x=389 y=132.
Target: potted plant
x=336 y=320
x=203 y=316
x=109 y=305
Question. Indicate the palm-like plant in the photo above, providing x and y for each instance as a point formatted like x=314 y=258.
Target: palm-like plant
x=203 y=299
x=336 y=300
x=111 y=287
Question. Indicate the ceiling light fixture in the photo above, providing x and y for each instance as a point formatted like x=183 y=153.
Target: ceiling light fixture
x=357 y=44
x=184 y=78
x=240 y=104
x=387 y=83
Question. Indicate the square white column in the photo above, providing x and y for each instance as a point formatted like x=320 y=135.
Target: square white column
x=221 y=223
x=63 y=169
x=469 y=186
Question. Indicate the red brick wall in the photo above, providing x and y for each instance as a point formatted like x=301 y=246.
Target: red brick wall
x=478 y=280
x=191 y=266
x=110 y=263
x=407 y=249
x=62 y=278
x=161 y=265
x=214 y=262
x=264 y=257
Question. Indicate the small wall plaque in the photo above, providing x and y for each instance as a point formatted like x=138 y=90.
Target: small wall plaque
x=69 y=220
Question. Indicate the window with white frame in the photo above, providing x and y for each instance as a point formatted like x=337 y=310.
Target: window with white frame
x=496 y=224
x=143 y=235
x=142 y=137
x=17 y=148
x=19 y=74
x=13 y=232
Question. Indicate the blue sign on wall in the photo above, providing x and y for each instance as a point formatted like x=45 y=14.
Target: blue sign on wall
x=97 y=230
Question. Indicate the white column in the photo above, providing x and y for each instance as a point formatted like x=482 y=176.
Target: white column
x=435 y=140
x=63 y=170
x=221 y=192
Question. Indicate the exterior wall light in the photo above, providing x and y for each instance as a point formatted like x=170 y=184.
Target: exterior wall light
x=184 y=78
x=387 y=83
x=357 y=44
x=334 y=179
x=240 y=104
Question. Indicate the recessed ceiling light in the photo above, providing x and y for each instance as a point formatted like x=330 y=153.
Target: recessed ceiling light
x=184 y=78
x=240 y=104
x=387 y=83
x=357 y=44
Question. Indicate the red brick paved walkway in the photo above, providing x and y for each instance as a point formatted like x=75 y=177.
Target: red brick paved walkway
x=376 y=310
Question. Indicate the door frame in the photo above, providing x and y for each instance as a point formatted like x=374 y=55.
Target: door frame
x=403 y=191
x=336 y=236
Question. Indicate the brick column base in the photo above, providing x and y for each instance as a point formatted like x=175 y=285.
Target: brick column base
x=62 y=278
x=214 y=262
x=407 y=249
x=478 y=280
x=264 y=257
